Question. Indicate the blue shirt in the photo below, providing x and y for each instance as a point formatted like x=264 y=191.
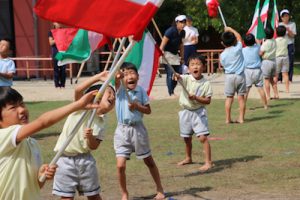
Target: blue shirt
x=124 y=115
x=232 y=59
x=6 y=66
x=252 y=59
x=175 y=39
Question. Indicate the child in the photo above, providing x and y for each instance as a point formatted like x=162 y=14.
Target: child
x=253 y=73
x=130 y=134
x=193 y=117
x=7 y=66
x=20 y=159
x=282 y=57
x=77 y=167
x=233 y=62
x=268 y=66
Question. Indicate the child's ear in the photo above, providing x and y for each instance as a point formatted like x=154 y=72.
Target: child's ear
x=223 y=44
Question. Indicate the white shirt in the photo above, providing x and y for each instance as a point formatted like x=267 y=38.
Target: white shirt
x=190 y=33
x=292 y=27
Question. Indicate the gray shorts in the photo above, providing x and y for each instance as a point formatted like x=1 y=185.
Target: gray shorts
x=131 y=138
x=76 y=173
x=254 y=77
x=194 y=121
x=268 y=68
x=282 y=64
x=235 y=83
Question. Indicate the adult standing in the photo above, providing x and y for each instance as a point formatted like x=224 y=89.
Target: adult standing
x=59 y=71
x=191 y=39
x=290 y=35
x=170 y=45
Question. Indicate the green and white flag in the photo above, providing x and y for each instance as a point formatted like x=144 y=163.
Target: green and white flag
x=145 y=55
x=257 y=28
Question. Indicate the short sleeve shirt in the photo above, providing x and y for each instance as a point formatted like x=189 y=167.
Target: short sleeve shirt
x=292 y=27
x=232 y=59
x=79 y=143
x=19 y=165
x=190 y=32
x=269 y=49
x=6 y=66
x=200 y=87
x=281 y=46
x=124 y=115
x=175 y=39
x=252 y=59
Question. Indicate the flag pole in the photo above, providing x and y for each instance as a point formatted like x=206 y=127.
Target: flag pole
x=84 y=115
x=161 y=37
x=79 y=72
x=110 y=55
x=174 y=72
x=222 y=17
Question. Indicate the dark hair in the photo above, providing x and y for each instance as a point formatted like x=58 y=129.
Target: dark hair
x=96 y=87
x=8 y=96
x=128 y=66
x=281 y=31
x=196 y=56
x=228 y=39
x=249 y=39
x=269 y=33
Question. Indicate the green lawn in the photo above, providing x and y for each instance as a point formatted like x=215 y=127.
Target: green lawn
x=256 y=160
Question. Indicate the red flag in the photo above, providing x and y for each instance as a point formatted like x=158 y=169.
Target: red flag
x=212 y=7
x=115 y=18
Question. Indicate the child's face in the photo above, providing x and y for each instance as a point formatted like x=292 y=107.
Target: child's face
x=4 y=46
x=196 y=68
x=13 y=114
x=130 y=78
x=107 y=102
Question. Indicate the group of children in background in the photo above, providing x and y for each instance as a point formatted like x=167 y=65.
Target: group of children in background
x=20 y=160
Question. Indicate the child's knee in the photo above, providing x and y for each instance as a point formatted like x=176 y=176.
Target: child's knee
x=203 y=138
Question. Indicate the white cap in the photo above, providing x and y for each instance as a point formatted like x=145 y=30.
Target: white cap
x=180 y=18
x=284 y=11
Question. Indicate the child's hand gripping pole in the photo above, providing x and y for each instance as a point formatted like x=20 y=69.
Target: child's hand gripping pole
x=82 y=118
x=173 y=70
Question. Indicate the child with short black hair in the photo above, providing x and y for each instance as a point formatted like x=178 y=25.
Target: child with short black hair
x=131 y=135
x=7 y=66
x=268 y=66
x=282 y=56
x=20 y=160
x=252 y=62
x=70 y=177
x=233 y=62
x=193 y=118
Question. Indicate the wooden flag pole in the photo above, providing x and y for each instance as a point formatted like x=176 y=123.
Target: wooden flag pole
x=222 y=17
x=79 y=72
x=161 y=37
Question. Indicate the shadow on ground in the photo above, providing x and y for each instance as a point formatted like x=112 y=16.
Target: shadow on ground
x=191 y=192
x=220 y=165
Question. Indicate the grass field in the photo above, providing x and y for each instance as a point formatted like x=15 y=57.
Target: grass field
x=256 y=160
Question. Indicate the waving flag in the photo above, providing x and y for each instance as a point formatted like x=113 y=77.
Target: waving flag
x=145 y=55
x=257 y=28
x=275 y=19
x=212 y=7
x=115 y=18
x=264 y=11
x=76 y=45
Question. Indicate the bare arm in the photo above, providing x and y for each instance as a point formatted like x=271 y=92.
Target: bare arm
x=51 y=117
x=118 y=77
x=7 y=75
x=145 y=109
x=79 y=90
x=203 y=100
x=51 y=41
x=92 y=141
x=164 y=43
x=236 y=34
x=181 y=49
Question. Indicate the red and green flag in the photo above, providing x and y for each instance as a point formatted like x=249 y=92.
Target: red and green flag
x=76 y=45
x=257 y=28
x=264 y=11
x=114 y=18
x=145 y=55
